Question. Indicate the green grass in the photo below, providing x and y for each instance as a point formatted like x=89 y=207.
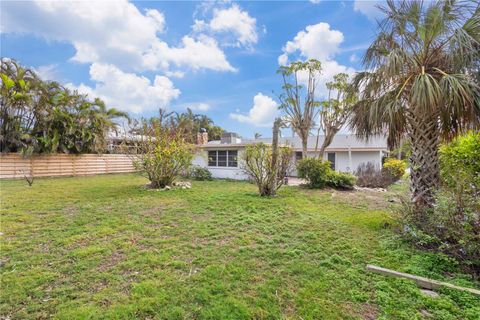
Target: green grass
x=106 y=248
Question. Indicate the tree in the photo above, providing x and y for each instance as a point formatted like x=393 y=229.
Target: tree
x=268 y=165
x=300 y=113
x=18 y=105
x=191 y=123
x=44 y=117
x=419 y=83
x=163 y=153
x=335 y=111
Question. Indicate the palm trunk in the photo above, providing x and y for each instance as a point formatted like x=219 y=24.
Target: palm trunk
x=424 y=162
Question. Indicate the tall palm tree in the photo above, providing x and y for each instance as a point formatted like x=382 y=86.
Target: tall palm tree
x=420 y=83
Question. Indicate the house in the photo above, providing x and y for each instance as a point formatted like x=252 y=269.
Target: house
x=346 y=152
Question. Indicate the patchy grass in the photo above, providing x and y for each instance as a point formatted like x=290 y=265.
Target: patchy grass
x=105 y=248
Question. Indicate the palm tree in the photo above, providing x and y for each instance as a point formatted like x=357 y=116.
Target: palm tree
x=419 y=83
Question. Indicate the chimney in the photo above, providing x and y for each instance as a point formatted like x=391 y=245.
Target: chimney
x=202 y=136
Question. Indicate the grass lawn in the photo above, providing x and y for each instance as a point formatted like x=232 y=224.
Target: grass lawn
x=105 y=248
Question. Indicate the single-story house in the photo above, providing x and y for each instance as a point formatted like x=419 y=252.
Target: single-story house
x=346 y=152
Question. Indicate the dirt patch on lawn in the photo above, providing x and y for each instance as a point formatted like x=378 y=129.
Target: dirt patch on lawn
x=365 y=311
x=111 y=261
x=373 y=200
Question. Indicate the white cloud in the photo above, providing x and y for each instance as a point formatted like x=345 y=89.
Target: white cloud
x=315 y=1
x=201 y=53
x=47 y=72
x=128 y=91
x=353 y=58
x=199 y=106
x=231 y=21
x=368 y=8
x=112 y=32
x=262 y=114
x=319 y=42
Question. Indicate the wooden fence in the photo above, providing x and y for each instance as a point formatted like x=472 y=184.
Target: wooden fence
x=13 y=165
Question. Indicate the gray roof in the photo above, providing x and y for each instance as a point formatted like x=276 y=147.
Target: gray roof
x=340 y=142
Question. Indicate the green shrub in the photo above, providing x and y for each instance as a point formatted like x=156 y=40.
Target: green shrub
x=453 y=224
x=341 y=180
x=394 y=167
x=449 y=227
x=319 y=174
x=200 y=174
x=315 y=171
x=460 y=162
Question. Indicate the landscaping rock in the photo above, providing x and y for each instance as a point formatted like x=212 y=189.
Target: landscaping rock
x=429 y=293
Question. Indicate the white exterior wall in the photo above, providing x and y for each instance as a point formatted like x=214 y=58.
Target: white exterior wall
x=358 y=157
x=201 y=160
x=342 y=163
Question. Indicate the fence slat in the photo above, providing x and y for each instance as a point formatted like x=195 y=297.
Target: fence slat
x=13 y=165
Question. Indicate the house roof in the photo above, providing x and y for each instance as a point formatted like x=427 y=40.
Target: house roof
x=341 y=142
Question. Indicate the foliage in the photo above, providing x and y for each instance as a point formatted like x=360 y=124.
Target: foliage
x=460 y=161
x=335 y=110
x=257 y=163
x=191 y=124
x=341 y=180
x=453 y=224
x=133 y=253
x=421 y=83
x=319 y=175
x=300 y=113
x=315 y=171
x=162 y=154
x=369 y=176
x=44 y=117
x=394 y=167
x=200 y=174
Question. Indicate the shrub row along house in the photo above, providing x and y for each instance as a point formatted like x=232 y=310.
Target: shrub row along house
x=346 y=152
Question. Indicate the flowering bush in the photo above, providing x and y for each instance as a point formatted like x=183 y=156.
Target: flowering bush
x=394 y=167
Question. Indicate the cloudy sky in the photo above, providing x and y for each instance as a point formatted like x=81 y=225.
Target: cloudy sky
x=218 y=58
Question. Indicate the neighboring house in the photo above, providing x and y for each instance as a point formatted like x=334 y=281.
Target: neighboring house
x=223 y=157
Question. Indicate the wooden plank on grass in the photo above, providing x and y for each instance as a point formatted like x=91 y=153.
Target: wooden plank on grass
x=420 y=281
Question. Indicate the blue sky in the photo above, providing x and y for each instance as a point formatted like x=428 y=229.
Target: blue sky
x=220 y=58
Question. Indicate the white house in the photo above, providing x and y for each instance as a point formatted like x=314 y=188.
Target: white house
x=346 y=152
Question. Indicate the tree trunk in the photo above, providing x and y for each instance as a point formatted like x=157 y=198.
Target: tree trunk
x=304 y=147
x=273 y=178
x=424 y=162
x=328 y=140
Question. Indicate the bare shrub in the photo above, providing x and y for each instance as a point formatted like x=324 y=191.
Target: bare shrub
x=369 y=176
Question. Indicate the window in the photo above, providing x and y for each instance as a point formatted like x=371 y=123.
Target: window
x=223 y=158
x=212 y=158
x=331 y=158
x=298 y=155
x=232 y=158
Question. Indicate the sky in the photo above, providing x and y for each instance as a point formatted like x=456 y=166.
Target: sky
x=218 y=58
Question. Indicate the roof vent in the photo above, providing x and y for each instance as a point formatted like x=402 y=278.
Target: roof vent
x=229 y=138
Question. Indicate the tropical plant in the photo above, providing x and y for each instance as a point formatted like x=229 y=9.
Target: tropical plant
x=300 y=113
x=163 y=153
x=268 y=165
x=394 y=167
x=315 y=171
x=419 y=83
x=200 y=174
x=371 y=176
x=43 y=117
x=319 y=174
x=191 y=123
x=335 y=110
